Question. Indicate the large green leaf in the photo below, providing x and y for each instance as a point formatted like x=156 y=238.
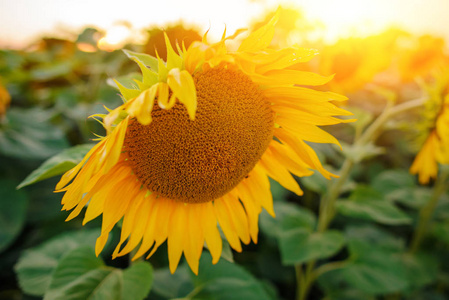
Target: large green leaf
x=137 y=281
x=225 y=281
x=288 y=216
x=376 y=210
x=81 y=275
x=35 y=266
x=392 y=180
x=175 y=285
x=375 y=261
x=421 y=269
x=374 y=270
x=369 y=204
x=58 y=164
x=29 y=134
x=301 y=245
x=13 y=205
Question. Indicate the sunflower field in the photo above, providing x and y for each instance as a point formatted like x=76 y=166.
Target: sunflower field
x=266 y=164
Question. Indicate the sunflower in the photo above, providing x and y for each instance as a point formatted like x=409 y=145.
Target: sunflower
x=434 y=131
x=194 y=144
x=175 y=33
x=420 y=56
x=356 y=61
x=5 y=100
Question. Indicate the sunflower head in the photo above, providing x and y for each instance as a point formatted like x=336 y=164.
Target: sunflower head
x=194 y=144
x=356 y=61
x=433 y=130
x=177 y=34
x=5 y=100
x=420 y=56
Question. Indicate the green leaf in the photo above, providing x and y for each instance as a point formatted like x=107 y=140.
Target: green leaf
x=441 y=231
x=137 y=281
x=128 y=81
x=146 y=59
x=29 y=134
x=36 y=265
x=51 y=70
x=288 y=216
x=174 y=285
x=375 y=210
x=369 y=204
x=226 y=281
x=300 y=245
x=371 y=234
x=374 y=270
x=375 y=276
x=57 y=165
x=414 y=197
x=392 y=180
x=82 y=275
x=377 y=267
x=421 y=270
x=316 y=182
x=13 y=206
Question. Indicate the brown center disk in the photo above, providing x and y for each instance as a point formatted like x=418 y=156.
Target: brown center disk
x=199 y=161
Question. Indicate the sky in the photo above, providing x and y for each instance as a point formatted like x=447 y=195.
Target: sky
x=22 y=21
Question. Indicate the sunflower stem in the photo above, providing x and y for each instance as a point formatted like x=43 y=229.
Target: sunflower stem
x=327 y=204
x=426 y=212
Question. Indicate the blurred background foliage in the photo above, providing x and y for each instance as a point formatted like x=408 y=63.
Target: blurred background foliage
x=49 y=89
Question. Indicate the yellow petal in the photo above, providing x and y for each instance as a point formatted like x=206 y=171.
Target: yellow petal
x=296 y=93
x=280 y=174
x=226 y=224
x=306 y=132
x=287 y=77
x=302 y=150
x=118 y=201
x=101 y=242
x=238 y=217
x=211 y=233
x=425 y=164
x=69 y=175
x=260 y=186
x=261 y=38
x=182 y=85
x=252 y=207
x=176 y=235
x=142 y=106
x=288 y=158
x=194 y=241
x=139 y=225
x=173 y=59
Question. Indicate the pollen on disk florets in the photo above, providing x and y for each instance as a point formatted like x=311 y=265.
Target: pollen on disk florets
x=201 y=160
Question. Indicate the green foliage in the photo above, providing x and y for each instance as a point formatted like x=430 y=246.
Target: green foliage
x=367 y=203
x=223 y=281
x=82 y=275
x=13 y=207
x=300 y=245
x=57 y=164
x=36 y=265
x=29 y=134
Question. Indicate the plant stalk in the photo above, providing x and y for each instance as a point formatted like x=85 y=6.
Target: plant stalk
x=426 y=212
x=327 y=206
